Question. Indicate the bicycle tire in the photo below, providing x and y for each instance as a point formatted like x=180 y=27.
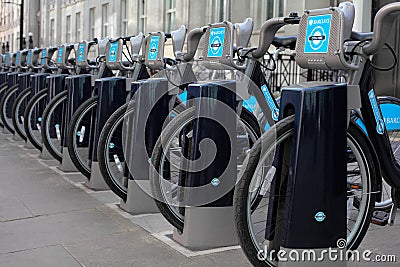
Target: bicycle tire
x=241 y=201
x=15 y=112
x=82 y=110
x=3 y=87
x=7 y=95
x=27 y=123
x=159 y=197
x=48 y=111
x=102 y=154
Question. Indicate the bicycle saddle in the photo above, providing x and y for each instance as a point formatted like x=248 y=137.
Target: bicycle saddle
x=285 y=42
x=361 y=36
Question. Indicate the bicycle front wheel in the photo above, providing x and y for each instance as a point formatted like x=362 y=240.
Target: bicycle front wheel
x=6 y=104
x=18 y=110
x=253 y=192
x=165 y=178
x=78 y=137
x=33 y=118
x=52 y=125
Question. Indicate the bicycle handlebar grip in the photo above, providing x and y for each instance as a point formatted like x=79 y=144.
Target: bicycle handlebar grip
x=193 y=40
x=382 y=25
x=267 y=34
x=168 y=35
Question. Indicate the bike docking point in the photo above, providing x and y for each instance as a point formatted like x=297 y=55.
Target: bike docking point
x=209 y=185
x=112 y=95
x=79 y=90
x=152 y=107
x=315 y=204
x=55 y=85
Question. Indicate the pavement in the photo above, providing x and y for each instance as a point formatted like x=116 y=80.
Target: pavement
x=50 y=218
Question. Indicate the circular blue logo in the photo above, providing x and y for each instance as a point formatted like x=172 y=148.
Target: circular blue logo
x=320 y=216
x=216 y=45
x=380 y=126
x=215 y=182
x=317 y=37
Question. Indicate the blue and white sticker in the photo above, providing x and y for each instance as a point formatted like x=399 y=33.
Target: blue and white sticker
x=216 y=42
x=17 y=58
x=318 y=34
x=271 y=102
x=60 y=55
x=29 y=57
x=112 y=53
x=44 y=56
x=81 y=52
x=380 y=124
x=153 y=48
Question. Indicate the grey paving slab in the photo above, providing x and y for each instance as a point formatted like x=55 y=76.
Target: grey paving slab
x=136 y=248
x=152 y=223
x=63 y=200
x=106 y=197
x=11 y=208
x=40 y=257
x=56 y=229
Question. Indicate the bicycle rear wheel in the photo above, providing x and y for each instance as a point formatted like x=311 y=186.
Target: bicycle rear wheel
x=78 y=137
x=33 y=118
x=18 y=111
x=6 y=104
x=168 y=152
x=253 y=192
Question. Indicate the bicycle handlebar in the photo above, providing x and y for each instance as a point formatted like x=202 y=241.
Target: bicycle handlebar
x=193 y=40
x=382 y=25
x=268 y=31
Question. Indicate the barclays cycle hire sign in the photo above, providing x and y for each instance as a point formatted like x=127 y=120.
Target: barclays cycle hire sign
x=112 y=55
x=318 y=33
x=216 y=42
x=153 y=48
x=60 y=54
x=81 y=52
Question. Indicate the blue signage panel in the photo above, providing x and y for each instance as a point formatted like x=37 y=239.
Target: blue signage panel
x=318 y=34
x=18 y=57
x=7 y=58
x=44 y=56
x=153 y=48
x=60 y=55
x=216 y=42
x=29 y=57
x=112 y=53
x=81 y=52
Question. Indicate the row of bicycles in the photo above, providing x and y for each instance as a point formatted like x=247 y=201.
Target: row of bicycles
x=121 y=109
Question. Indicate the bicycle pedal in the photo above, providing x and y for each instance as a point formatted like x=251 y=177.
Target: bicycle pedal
x=380 y=218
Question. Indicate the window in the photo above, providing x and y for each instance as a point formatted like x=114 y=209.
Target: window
x=68 y=30
x=104 y=20
x=91 y=22
x=216 y=10
x=142 y=15
x=124 y=17
x=78 y=27
x=266 y=9
x=52 y=31
x=171 y=15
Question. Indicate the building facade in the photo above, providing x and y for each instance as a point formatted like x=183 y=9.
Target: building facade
x=53 y=22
